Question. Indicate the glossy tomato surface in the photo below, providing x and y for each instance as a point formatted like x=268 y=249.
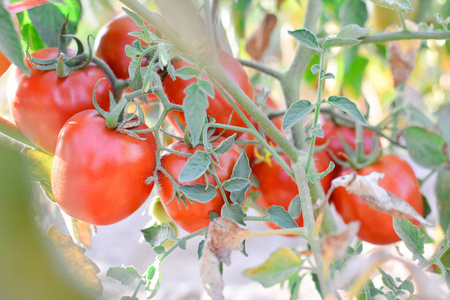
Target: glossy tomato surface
x=42 y=103
x=194 y=215
x=219 y=108
x=376 y=227
x=332 y=132
x=4 y=64
x=99 y=174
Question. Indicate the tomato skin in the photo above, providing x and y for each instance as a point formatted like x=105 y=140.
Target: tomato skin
x=331 y=132
x=42 y=103
x=219 y=108
x=4 y=64
x=376 y=227
x=278 y=188
x=196 y=216
x=99 y=174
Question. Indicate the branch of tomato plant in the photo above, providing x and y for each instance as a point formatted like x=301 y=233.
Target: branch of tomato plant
x=10 y=130
x=260 y=67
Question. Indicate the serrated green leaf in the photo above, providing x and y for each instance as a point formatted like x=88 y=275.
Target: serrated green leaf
x=411 y=237
x=194 y=106
x=388 y=280
x=315 y=69
x=225 y=145
x=41 y=170
x=442 y=190
x=307 y=38
x=317 y=130
x=281 y=217
x=316 y=177
x=195 y=166
x=206 y=87
x=234 y=212
x=295 y=112
x=407 y=285
x=134 y=16
x=352 y=31
x=11 y=45
x=295 y=207
x=130 y=51
x=186 y=73
x=156 y=235
x=241 y=170
x=235 y=184
x=331 y=42
x=126 y=275
x=199 y=192
x=279 y=267
x=425 y=147
x=402 y=6
x=345 y=104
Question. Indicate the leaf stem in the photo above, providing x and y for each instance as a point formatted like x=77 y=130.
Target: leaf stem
x=260 y=67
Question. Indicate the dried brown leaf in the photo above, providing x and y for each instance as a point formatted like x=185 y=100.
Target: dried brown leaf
x=259 y=41
x=224 y=236
x=335 y=245
x=82 y=233
x=402 y=54
x=82 y=268
x=367 y=188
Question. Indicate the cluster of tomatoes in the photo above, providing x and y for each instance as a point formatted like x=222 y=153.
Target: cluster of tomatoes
x=99 y=174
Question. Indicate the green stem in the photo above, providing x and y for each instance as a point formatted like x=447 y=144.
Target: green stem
x=402 y=19
x=10 y=129
x=260 y=67
x=188 y=237
x=405 y=35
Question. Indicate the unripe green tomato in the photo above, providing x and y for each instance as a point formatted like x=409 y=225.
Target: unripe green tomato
x=169 y=243
x=158 y=212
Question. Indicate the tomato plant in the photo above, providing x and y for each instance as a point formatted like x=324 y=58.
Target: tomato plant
x=219 y=108
x=192 y=215
x=42 y=103
x=99 y=174
x=4 y=64
x=399 y=179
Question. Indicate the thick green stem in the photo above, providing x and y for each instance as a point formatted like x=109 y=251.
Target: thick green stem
x=405 y=35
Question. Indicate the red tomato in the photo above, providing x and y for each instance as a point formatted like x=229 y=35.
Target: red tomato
x=111 y=41
x=331 y=132
x=278 y=188
x=99 y=174
x=4 y=64
x=219 y=108
x=42 y=103
x=196 y=215
x=376 y=227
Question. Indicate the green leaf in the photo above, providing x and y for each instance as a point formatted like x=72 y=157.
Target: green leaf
x=316 y=177
x=354 y=74
x=235 y=184
x=295 y=207
x=425 y=147
x=348 y=106
x=186 y=73
x=206 y=87
x=442 y=189
x=279 y=267
x=402 y=6
x=199 y=192
x=41 y=170
x=234 y=212
x=195 y=166
x=239 y=13
x=443 y=121
x=126 y=275
x=156 y=235
x=194 y=106
x=295 y=112
x=134 y=16
x=317 y=130
x=307 y=38
x=11 y=45
x=315 y=69
x=154 y=279
x=281 y=217
x=241 y=170
x=225 y=145
x=411 y=237
x=388 y=280
x=328 y=76
x=331 y=42
x=407 y=285
x=352 y=31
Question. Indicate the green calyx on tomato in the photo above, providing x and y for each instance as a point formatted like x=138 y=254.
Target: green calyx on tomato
x=99 y=174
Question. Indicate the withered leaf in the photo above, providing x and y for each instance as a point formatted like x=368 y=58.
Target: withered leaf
x=402 y=54
x=82 y=233
x=259 y=41
x=224 y=236
x=367 y=188
x=335 y=245
x=82 y=268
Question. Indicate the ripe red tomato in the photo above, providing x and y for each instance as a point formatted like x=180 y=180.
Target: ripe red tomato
x=278 y=188
x=4 y=64
x=331 y=132
x=376 y=227
x=42 y=103
x=99 y=174
x=196 y=215
x=111 y=41
x=219 y=108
